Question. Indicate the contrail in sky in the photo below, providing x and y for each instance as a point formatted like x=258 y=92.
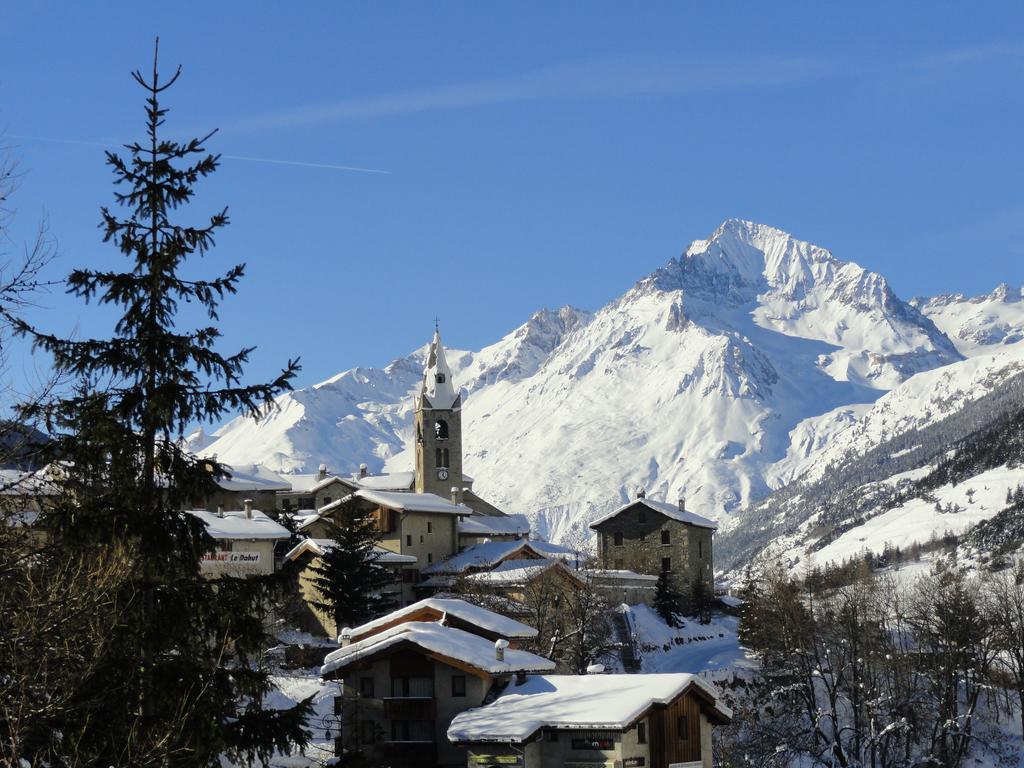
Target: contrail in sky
x=270 y=160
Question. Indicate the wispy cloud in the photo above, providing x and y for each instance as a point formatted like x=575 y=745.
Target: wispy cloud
x=269 y=160
x=976 y=53
x=605 y=78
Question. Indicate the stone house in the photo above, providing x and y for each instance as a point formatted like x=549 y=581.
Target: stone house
x=546 y=721
x=651 y=537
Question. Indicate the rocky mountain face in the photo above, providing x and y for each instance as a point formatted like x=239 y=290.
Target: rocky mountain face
x=720 y=377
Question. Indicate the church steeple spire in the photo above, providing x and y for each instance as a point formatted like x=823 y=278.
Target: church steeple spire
x=438 y=422
x=437 y=389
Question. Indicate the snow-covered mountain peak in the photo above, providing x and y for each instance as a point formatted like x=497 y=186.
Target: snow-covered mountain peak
x=978 y=324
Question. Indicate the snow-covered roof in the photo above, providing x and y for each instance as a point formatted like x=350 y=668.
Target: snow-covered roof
x=319 y=546
x=437 y=389
x=237 y=525
x=577 y=702
x=494 y=525
x=489 y=553
x=395 y=481
x=671 y=511
x=605 y=573
x=460 y=609
x=448 y=642
x=15 y=482
x=252 y=477
x=519 y=572
x=411 y=502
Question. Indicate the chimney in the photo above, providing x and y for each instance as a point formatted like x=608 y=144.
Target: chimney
x=520 y=677
x=321 y=472
x=248 y=508
x=641 y=493
x=456 y=495
x=362 y=471
x=345 y=638
x=499 y=648
x=220 y=510
x=595 y=669
x=682 y=503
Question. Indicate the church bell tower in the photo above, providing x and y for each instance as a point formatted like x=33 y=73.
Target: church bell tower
x=438 y=425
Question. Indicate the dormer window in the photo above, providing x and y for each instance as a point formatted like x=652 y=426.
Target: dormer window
x=439 y=378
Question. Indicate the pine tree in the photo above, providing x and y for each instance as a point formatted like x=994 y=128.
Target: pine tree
x=667 y=600
x=347 y=576
x=179 y=682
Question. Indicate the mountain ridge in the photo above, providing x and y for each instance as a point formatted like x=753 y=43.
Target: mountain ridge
x=691 y=383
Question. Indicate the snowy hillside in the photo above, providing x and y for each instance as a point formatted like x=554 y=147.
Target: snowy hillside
x=937 y=455
x=698 y=381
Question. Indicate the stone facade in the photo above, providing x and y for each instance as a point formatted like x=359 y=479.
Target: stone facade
x=438 y=449
x=642 y=539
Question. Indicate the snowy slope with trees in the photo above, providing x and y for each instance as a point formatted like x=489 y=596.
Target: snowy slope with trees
x=719 y=377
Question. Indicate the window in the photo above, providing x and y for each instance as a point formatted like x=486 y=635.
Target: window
x=641 y=515
x=441 y=429
x=367 y=731
x=618 y=564
x=366 y=687
x=412 y=687
x=225 y=545
x=666 y=563
x=700 y=550
x=421 y=538
x=412 y=730
x=641 y=733
x=666 y=537
x=439 y=378
x=683 y=728
x=408 y=539
x=287 y=504
x=458 y=685
x=618 y=538
x=441 y=457
x=430 y=527
x=430 y=557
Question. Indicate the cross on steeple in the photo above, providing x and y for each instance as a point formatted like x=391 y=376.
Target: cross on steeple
x=437 y=324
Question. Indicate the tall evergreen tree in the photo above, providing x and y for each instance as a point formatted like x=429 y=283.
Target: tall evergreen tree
x=668 y=602
x=180 y=682
x=348 y=577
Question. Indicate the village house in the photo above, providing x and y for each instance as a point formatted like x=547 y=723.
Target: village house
x=546 y=721
x=245 y=542
x=304 y=559
x=252 y=481
x=487 y=556
x=404 y=679
x=652 y=537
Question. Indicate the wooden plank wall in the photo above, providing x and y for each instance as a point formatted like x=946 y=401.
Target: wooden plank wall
x=666 y=746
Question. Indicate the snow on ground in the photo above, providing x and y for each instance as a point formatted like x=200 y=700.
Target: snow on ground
x=290 y=688
x=712 y=649
x=918 y=520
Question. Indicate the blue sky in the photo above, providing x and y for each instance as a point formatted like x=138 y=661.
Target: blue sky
x=536 y=154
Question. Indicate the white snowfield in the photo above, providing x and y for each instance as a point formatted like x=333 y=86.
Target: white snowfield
x=237 y=525
x=715 y=378
x=579 y=702
x=980 y=324
x=444 y=641
x=460 y=609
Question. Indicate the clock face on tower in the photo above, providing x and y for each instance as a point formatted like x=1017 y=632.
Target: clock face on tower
x=442 y=474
